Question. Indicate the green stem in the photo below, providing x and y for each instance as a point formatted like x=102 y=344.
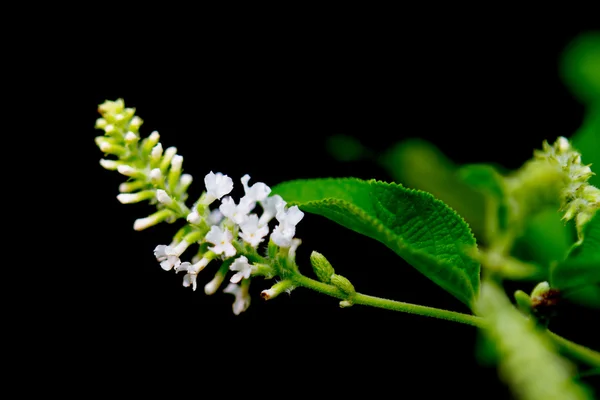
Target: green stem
x=576 y=351
x=363 y=299
x=565 y=346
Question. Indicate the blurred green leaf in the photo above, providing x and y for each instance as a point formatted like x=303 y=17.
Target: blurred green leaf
x=580 y=66
x=346 y=148
x=418 y=164
x=487 y=180
x=581 y=268
x=546 y=240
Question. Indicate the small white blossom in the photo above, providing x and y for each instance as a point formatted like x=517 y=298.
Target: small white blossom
x=257 y=192
x=236 y=212
x=270 y=206
x=155 y=175
x=215 y=217
x=242 y=268
x=217 y=186
x=242 y=298
x=189 y=279
x=252 y=232
x=221 y=238
x=168 y=256
x=284 y=232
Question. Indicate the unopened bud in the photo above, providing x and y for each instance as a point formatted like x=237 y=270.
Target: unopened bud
x=109 y=164
x=343 y=284
x=321 y=266
x=131 y=137
x=135 y=123
x=129 y=198
x=128 y=170
x=539 y=290
x=151 y=220
x=194 y=217
x=523 y=302
x=562 y=144
x=163 y=197
x=100 y=123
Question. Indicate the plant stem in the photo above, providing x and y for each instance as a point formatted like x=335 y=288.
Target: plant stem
x=565 y=346
x=576 y=351
x=363 y=299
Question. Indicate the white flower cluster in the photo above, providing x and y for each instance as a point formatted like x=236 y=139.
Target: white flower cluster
x=579 y=199
x=232 y=225
x=231 y=232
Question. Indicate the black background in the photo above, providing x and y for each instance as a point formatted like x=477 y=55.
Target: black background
x=262 y=100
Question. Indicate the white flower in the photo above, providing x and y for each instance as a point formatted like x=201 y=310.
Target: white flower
x=270 y=206
x=257 y=192
x=215 y=217
x=242 y=298
x=284 y=232
x=168 y=256
x=189 y=279
x=237 y=213
x=217 y=186
x=243 y=269
x=221 y=238
x=252 y=232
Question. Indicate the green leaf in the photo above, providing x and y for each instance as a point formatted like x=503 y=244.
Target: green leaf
x=580 y=66
x=487 y=180
x=545 y=241
x=346 y=148
x=581 y=268
x=421 y=229
x=419 y=164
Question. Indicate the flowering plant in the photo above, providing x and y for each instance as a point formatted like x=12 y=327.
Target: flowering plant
x=469 y=254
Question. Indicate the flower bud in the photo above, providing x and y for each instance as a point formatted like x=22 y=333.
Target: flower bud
x=131 y=138
x=343 y=284
x=163 y=197
x=523 y=302
x=151 y=220
x=539 y=290
x=109 y=164
x=321 y=266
